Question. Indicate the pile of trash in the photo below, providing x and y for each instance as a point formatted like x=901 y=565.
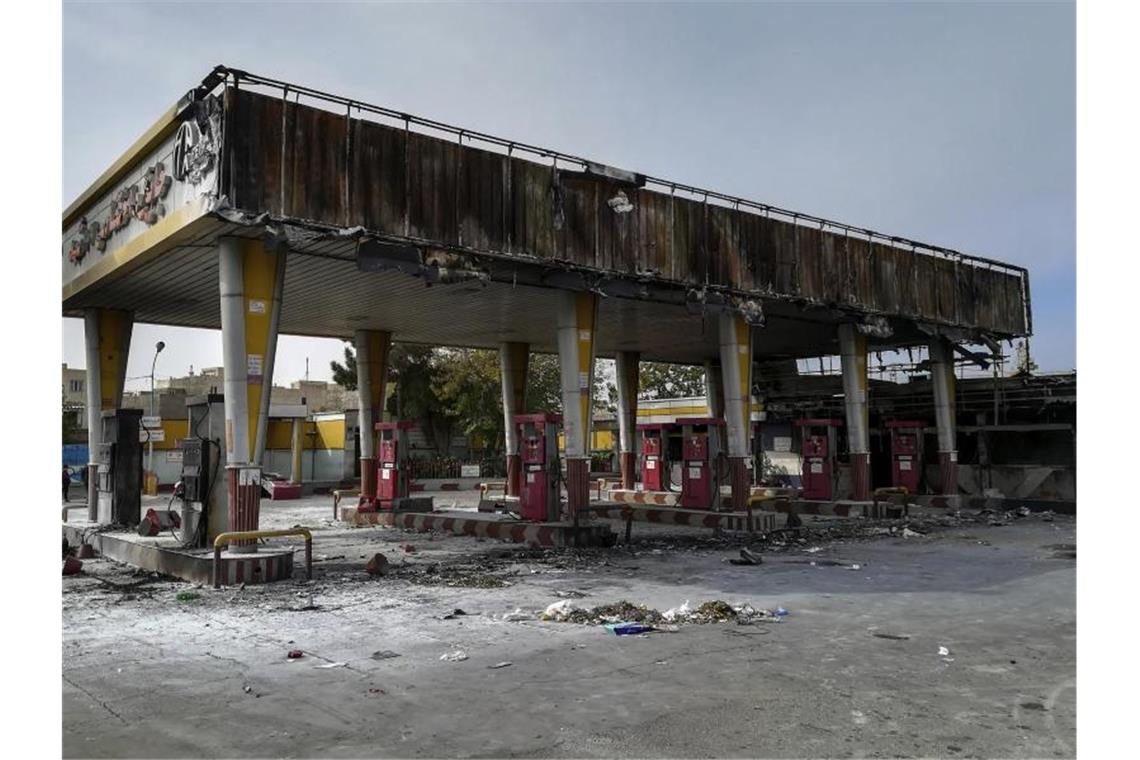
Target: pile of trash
x=716 y=611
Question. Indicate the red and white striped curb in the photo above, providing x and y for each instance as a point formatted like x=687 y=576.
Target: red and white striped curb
x=660 y=498
x=238 y=569
x=762 y=522
x=533 y=534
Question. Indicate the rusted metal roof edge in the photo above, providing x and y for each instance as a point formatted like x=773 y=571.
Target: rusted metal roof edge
x=238 y=76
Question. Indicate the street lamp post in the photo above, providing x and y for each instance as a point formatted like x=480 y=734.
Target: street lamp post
x=149 y=442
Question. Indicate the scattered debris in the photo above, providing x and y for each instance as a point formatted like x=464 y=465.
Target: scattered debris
x=378 y=565
x=628 y=629
x=452 y=615
x=891 y=636
x=497 y=665
x=295 y=654
x=71 y=566
x=85 y=551
x=328 y=665
x=457 y=656
x=856 y=566
x=908 y=533
x=187 y=596
x=384 y=654
x=517 y=616
x=943 y=652
x=374 y=690
x=1032 y=706
x=408 y=548
x=781 y=612
x=247 y=689
x=624 y=612
x=569 y=594
x=747 y=557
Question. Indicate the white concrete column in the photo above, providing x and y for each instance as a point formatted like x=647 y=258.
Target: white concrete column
x=853 y=360
x=107 y=340
x=736 y=375
x=297 y=448
x=944 y=384
x=627 y=366
x=577 y=321
x=372 y=349
x=514 y=359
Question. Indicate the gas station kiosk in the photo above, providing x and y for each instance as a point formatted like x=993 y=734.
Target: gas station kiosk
x=819 y=448
x=702 y=452
x=906 y=453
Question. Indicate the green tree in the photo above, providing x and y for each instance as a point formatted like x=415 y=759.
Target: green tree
x=344 y=375
x=660 y=380
x=468 y=387
x=544 y=384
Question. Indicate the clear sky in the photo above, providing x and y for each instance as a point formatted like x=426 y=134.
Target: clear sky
x=951 y=123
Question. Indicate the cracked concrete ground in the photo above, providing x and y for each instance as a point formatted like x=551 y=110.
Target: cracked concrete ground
x=854 y=670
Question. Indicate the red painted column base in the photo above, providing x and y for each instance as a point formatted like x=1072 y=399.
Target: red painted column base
x=244 y=505
x=514 y=474
x=948 y=466
x=626 y=462
x=577 y=486
x=92 y=493
x=741 y=488
x=367 y=502
x=861 y=477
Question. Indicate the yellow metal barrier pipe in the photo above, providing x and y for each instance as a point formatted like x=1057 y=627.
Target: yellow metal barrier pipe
x=224 y=539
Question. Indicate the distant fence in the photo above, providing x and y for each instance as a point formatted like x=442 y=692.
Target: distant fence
x=449 y=467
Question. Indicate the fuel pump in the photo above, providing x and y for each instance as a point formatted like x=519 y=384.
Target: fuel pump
x=906 y=453
x=540 y=496
x=655 y=463
x=119 y=472
x=702 y=450
x=818 y=440
x=393 y=466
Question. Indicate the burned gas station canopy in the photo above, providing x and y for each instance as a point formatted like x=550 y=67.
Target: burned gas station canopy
x=446 y=236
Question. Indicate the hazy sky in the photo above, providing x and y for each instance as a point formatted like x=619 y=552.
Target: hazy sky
x=953 y=124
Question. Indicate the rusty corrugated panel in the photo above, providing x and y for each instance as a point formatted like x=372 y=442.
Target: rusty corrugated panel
x=1013 y=317
x=482 y=202
x=781 y=239
x=757 y=272
x=724 y=263
x=532 y=221
x=656 y=222
x=890 y=281
x=861 y=272
x=967 y=299
x=946 y=289
x=377 y=193
x=689 y=256
x=433 y=188
x=833 y=268
x=253 y=150
x=316 y=159
x=810 y=258
x=925 y=286
x=577 y=240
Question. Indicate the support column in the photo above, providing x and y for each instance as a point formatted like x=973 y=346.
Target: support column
x=577 y=318
x=943 y=380
x=297 y=448
x=372 y=348
x=514 y=359
x=736 y=371
x=250 y=282
x=627 y=364
x=853 y=360
x=107 y=338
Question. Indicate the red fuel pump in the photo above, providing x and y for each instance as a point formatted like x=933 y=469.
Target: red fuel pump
x=906 y=453
x=655 y=463
x=393 y=476
x=540 y=495
x=818 y=449
x=701 y=451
